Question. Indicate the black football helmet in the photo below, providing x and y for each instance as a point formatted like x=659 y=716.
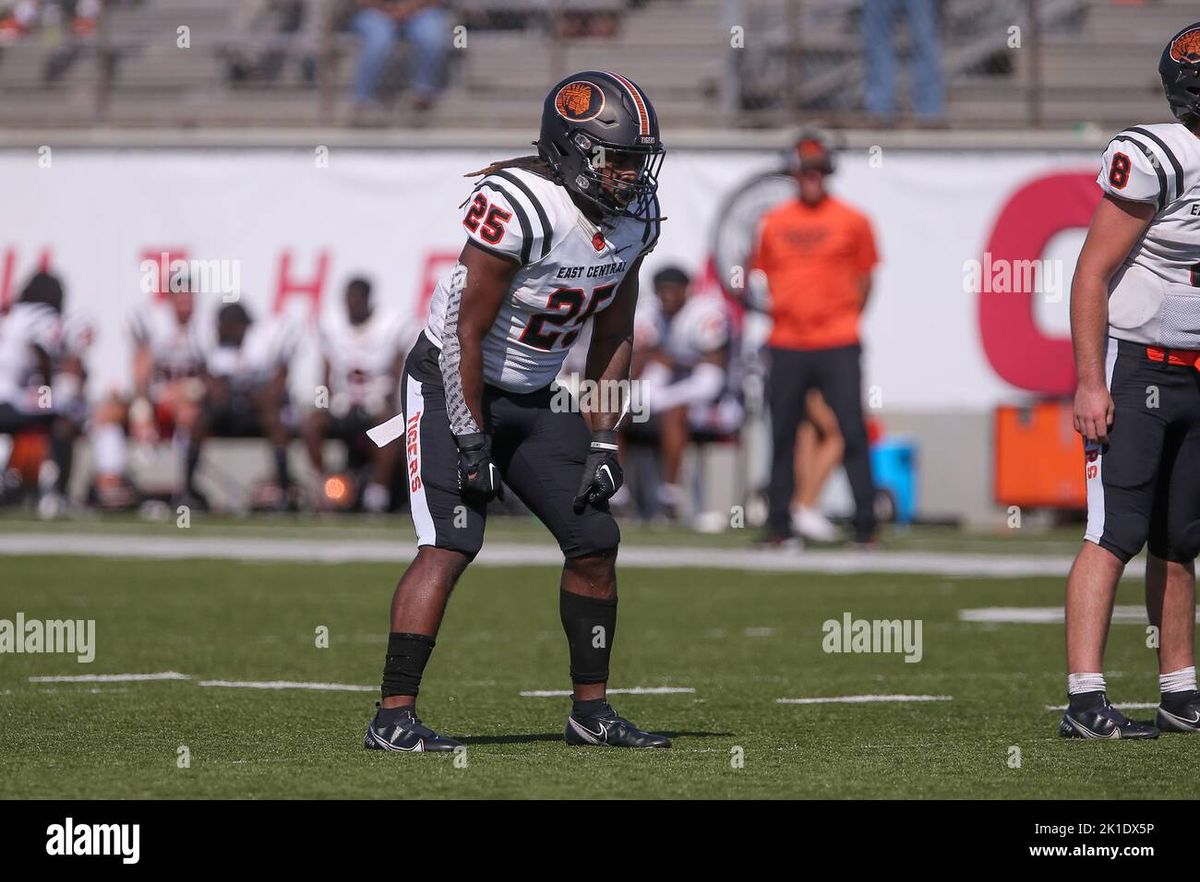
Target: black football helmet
x=592 y=118
x=1179 y=68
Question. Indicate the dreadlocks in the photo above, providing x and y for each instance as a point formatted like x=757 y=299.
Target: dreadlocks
x=534 y=164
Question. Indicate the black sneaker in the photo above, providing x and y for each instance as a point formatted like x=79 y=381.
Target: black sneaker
x=610 y=729
x=407 y=734
x=771 y=541
x=1182 y=715
x=1102 y=721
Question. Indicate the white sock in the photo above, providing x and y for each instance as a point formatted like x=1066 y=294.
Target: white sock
x=1079 y=683
x=1183 y=680
x=376 y=498
x=108 y=449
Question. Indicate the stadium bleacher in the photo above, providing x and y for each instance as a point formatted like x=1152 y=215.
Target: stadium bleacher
x=801 y=60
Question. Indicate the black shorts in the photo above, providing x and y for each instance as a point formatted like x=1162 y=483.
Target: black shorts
x=539 y=450
x=235 y=418
x=14 y=420
x=351 y=426
x=1144 y=485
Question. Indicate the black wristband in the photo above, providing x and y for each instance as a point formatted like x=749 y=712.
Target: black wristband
x=471 y=441
x=604 y=439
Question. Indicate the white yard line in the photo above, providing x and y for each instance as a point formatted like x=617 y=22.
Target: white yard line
x=1046 y=615
x=287 y=684
x=300 y=549
x=862 y=699
x=636 y=690
x=110 y=678
x=1127 y=705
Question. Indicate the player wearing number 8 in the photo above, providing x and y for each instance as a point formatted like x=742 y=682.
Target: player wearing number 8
x=1135 y=326
x=553 y=240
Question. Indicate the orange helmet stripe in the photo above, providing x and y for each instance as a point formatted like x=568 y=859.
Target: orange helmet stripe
x=638 y=101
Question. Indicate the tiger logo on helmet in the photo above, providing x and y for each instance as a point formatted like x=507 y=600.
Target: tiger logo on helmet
x=579 y=101
x=1179 y=69
x=1185 y=48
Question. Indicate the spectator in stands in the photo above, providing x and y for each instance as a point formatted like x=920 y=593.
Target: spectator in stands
x=424 y=25
x=817 y=254
x=267 y=28
x=51 y=17
x=686 y=375
x=363 y=348
x=246 y=395
x=879 y=51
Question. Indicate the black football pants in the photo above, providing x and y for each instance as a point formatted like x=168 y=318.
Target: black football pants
x=837 y=373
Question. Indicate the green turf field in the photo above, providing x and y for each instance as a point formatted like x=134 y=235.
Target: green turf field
x=740 y=640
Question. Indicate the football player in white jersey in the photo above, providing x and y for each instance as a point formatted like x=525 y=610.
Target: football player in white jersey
x=363 y=351
x=30 y=341
x=552 y=240
x=31 y=347
x=686 y=381
x=42 y=376
x=168 y=383
x=1135 y=324
x=245 y=394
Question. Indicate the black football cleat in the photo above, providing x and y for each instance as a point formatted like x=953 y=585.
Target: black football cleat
x=1180 y=716
x=406 y=735
x=609 y=729
x=1102 y=721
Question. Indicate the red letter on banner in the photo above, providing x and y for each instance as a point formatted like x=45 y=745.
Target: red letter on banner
x=286 y=286
x=1016 y=348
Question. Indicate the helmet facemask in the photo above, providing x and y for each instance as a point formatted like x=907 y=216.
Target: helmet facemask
x=599 y=172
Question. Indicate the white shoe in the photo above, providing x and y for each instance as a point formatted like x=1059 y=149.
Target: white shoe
x=813 y=525
x=376 y=498
x=51 y=506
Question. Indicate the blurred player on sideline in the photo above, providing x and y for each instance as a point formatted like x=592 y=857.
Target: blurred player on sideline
x=245 y=395
x=363 y=351
x=817 y=253
x=168 y=383
x=686 y=376
x=41 y=381
x=1134 y=309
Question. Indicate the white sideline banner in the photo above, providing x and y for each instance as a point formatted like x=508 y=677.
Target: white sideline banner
x=289 y=232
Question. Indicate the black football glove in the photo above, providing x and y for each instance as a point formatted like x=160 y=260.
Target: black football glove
x=602 y=475
x=478 y=477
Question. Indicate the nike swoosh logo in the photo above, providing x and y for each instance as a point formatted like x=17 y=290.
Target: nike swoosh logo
x=1088 y=733
x=1181 y=720
x=600 y=736
x=608 y=472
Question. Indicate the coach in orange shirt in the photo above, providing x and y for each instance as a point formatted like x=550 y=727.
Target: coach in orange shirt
x=817 y=253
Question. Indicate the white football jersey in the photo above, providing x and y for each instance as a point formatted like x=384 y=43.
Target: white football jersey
x=269 y=344
x=24 y=327
x=78 y=334
x=361 y=357
x=700 y=327
x=176 y=350
x=570 y=269
x=1154 y=297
